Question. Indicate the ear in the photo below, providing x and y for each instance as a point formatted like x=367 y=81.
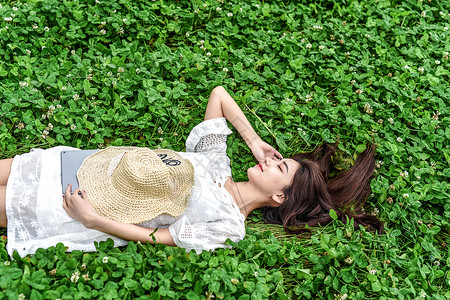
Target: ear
x=278 y=198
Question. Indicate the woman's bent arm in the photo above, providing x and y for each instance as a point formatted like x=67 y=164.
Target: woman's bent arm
x=79 y=207
x=221 y=104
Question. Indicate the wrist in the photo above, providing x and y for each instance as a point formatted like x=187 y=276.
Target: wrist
x=253 y=142
x=93 y=221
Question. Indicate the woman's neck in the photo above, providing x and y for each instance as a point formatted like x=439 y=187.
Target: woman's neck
x=245 y=196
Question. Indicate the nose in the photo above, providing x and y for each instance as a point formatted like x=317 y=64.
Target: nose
x=269 y=161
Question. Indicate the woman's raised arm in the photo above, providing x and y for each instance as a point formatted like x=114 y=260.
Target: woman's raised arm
x=221 y=104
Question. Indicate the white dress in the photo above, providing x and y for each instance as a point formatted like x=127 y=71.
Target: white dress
x=36 y=218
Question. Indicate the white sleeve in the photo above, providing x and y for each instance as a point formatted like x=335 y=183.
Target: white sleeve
x=205 y=236
x=209 y=136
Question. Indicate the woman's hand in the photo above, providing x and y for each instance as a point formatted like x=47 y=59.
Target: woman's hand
x=261 y=150
x=79 y=207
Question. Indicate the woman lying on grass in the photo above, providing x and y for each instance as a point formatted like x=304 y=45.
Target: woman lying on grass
x=123 y=197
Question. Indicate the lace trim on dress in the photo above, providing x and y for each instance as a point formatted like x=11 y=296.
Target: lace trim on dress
x=211 y=127
x=210 y=141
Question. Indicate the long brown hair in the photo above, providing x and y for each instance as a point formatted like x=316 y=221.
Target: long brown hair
x=312 y=193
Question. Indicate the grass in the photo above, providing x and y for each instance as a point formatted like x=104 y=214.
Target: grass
x=91 y=74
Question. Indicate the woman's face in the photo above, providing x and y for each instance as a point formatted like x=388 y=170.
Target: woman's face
x=272 y=176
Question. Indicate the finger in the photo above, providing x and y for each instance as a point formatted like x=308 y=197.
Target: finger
x=68 y=191
x=278 y=154
x=77 y=192
x=83 y=194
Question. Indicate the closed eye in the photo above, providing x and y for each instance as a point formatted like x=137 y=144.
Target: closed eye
x=280 y=168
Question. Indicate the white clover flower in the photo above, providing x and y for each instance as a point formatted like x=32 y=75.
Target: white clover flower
x=21 y=297
x=437 y=62
x=422 y=294
x=7 y=19
x=229 y=14
x=76 y=97
x=380 y=121
x=138 y=70
x=86 y=277
x=309 y=46
x=103 y=23
x=255 y=274
x=218 y=9
x=410 y=158
x=421 y=69
x=348 y=260
x=423 y=14
x=14 y=8
x=124 y=20
x=205 y=5
x=72 y=52
x=225 y=69
x=390 y=120
x=7 y=263
x=75 y=276
x=35 y=26
x=187 y=33
x=120 y=69
x=202 y=42
x=321 y=47
x=63 y=88
x=407 y=67
x=441 y=13
x=445 y=28
x=399 y=139
x=208 y=54
x=160 y=131
x=373 y=271
x=343 y=296
x=46 y=28
x=105 y=259
x=405 y=196
x=197 y=10
x=121 y=31
x=234 y=281
x=367 y=35
x=23 y=83
x=103 y=31
x=351 y=69
x=109 y=73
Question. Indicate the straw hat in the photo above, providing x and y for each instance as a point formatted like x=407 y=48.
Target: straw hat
x=135 y=184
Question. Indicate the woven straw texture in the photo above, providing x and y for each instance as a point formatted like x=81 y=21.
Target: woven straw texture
x=134 y=184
